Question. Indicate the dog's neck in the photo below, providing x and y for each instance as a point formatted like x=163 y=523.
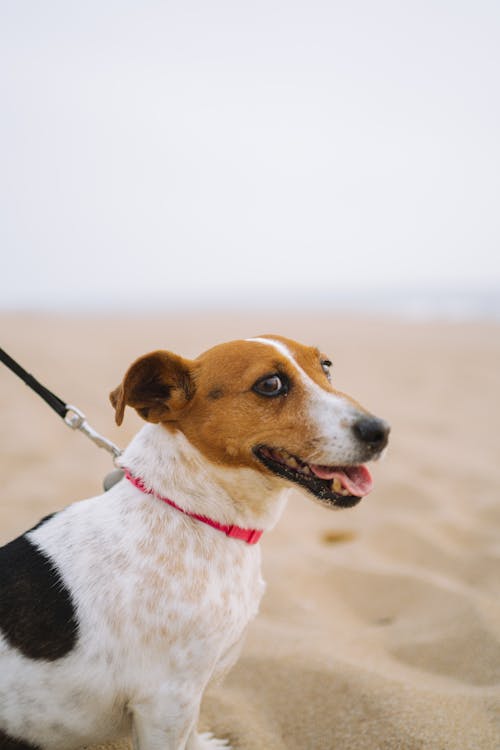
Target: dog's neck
x=168 y=464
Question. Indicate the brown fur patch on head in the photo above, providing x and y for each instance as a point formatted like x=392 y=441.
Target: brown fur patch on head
x=227 y=419
x=158 y=386
x=214 y=402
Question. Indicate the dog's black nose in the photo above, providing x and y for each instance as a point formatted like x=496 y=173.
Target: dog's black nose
x=373 y=431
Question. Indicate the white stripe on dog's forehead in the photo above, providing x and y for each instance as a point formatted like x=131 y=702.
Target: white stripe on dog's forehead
x=277 y=345
x=284 y=350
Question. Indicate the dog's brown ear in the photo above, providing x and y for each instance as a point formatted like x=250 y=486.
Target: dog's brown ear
x=158 y=386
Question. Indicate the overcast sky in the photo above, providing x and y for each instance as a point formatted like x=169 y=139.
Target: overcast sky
x=168 y=152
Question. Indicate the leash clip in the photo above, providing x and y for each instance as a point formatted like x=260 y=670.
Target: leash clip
x=76 y=420
x=71 y=415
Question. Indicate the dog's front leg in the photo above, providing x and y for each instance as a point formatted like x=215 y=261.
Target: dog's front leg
x=165 y=720
x=169 y=723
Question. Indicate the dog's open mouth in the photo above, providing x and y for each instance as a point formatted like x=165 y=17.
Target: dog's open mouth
x=341 y=486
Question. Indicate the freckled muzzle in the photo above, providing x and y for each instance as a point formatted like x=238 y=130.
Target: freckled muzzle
x=338 y=486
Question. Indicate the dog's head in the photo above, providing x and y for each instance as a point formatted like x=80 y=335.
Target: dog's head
x=266 y=403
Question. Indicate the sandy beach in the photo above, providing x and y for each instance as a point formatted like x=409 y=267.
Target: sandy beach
x=380 y=627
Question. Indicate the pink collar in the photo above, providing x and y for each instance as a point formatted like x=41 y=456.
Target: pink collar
x=250 y=536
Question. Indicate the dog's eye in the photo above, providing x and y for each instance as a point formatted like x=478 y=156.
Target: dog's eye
x=326 y=364
x=271 y=385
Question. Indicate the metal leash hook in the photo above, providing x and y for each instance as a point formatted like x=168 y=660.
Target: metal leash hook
x=76 y=420
x=72 y=416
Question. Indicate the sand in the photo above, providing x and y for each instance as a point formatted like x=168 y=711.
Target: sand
x=380 y=628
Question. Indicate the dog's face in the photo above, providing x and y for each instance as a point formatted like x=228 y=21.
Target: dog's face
x=267 y=404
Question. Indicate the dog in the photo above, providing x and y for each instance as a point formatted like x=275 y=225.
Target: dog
x=117 y=612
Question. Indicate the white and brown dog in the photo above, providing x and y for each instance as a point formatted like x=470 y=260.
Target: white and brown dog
x=117 y=612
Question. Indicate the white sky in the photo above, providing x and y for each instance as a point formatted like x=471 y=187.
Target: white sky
x=197 y=151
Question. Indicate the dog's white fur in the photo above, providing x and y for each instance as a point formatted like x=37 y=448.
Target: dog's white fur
x=162 y=600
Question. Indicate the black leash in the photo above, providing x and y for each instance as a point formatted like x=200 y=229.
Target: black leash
x=50 y=398
x=71 y=415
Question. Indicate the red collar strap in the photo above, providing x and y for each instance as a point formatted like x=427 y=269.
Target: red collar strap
x=250 y=536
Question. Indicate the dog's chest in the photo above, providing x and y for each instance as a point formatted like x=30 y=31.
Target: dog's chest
x=197 y=591
x=163 y=596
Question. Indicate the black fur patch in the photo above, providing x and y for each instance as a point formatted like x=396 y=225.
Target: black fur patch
x=37 y=615
x=9 y=743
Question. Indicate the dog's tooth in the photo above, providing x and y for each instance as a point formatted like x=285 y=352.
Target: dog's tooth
x=306 y=470
x=337 y=486
x=292 y=462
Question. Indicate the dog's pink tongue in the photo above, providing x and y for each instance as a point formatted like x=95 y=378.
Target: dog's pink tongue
x=357 y=480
